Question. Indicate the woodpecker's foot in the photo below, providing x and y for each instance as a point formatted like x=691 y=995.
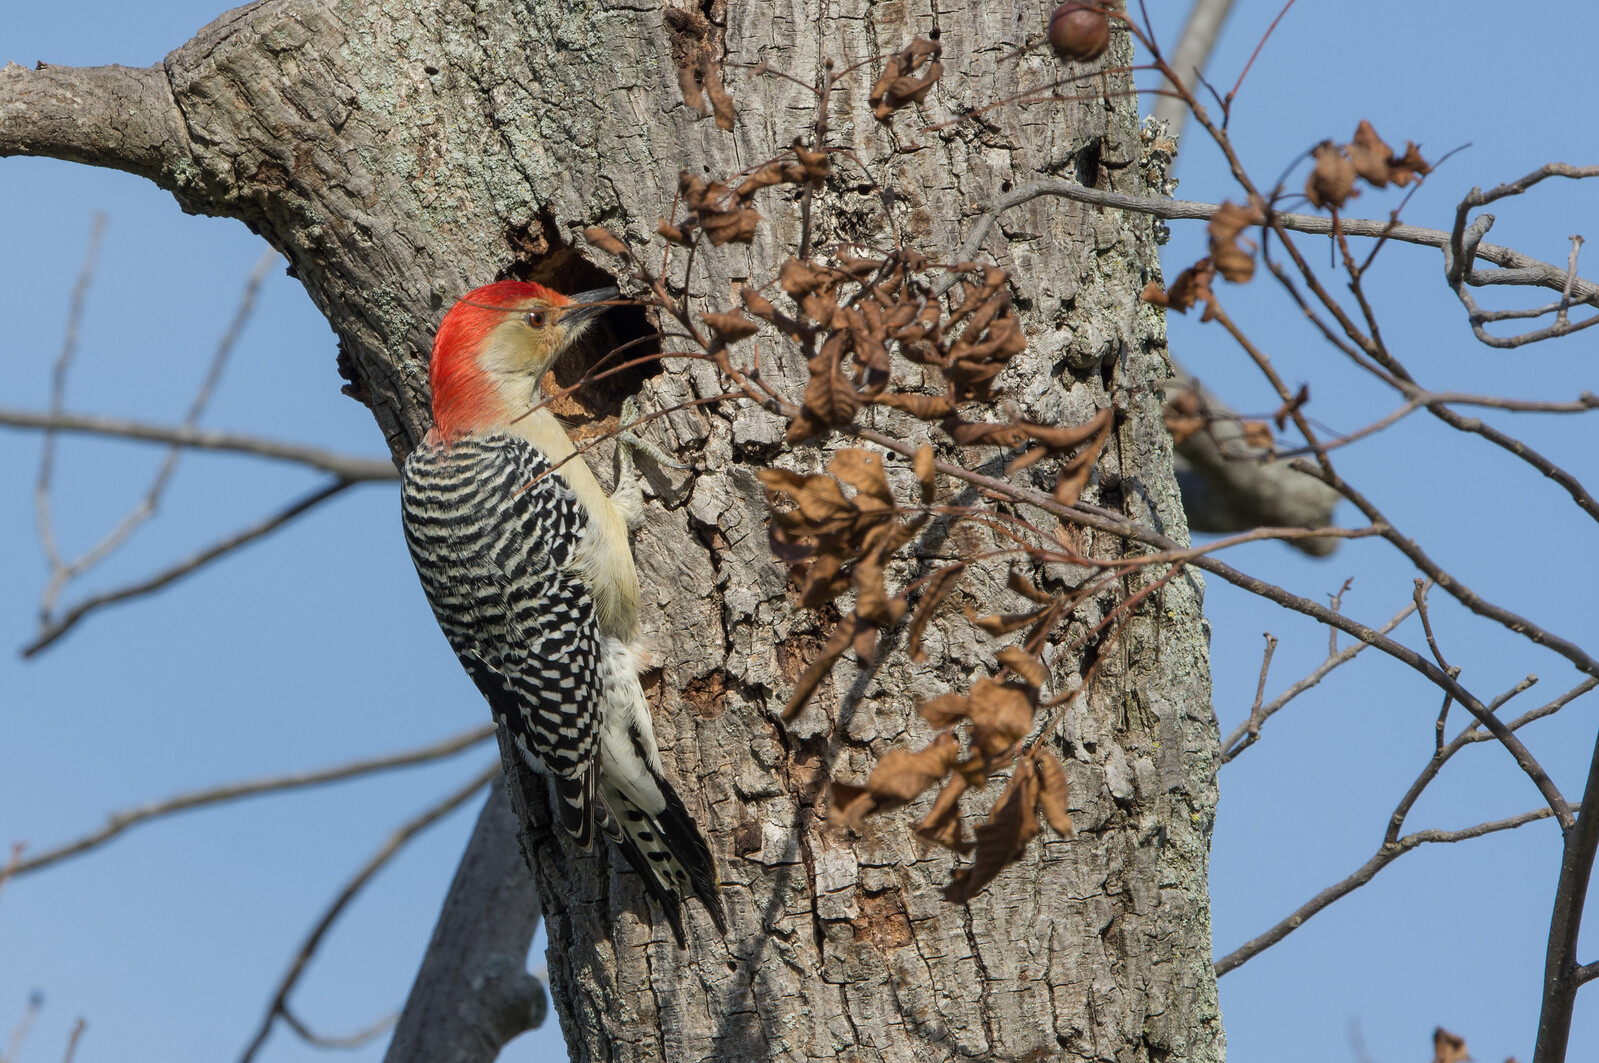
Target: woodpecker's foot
x=627 y=441
x=628 y=497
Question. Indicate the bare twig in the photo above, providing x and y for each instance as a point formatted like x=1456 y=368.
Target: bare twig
x=1571 y=278
x=24 y=1026
x=1387 y=854
x=1236 y=741
x=1465 y=245
x=119 y=822
x=50 y=632
x=1336 y=603
x=336 y=1041
x=1205 y=21
x=61 y=573
x=1255 y=714
x=58 y=392
x=1517 y=268
x=13 y=862
x=373 y=865
x=73 y=1039
x=346 y=466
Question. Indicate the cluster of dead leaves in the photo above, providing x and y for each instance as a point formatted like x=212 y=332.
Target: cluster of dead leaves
x=1087 y=439
x=996 y=716
x=696 y=45
x=725 y=213
x=908 y=77
x=1367 y=158
x=1191 y=286
x=834 y=543
x=1233 y=259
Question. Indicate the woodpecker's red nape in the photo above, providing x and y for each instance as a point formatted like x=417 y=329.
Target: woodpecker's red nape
x=463 y=395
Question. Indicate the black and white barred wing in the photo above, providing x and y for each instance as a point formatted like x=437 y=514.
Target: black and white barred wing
x=491 y=530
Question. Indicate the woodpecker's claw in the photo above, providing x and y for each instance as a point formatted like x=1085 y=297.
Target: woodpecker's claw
x=627 y=440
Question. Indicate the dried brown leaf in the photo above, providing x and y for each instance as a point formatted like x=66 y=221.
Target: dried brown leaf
x=982 y=433
x=1074 y=477
x=901 y=776
x=1023 y=586
x=946 y=710
x=730 y=328
x=821 y=507
x=820 y=582
x=1052 y=793
x=1066 y=438
x=862 y=470
x=729 y=226
x=1448 y=1047
x=831 y=397
x=605 y=240
x=865 y=641
x=1004 y=623
x=897 y=86
x=1369 y=155
x=721 y=102
x=924 y=467
x=1258 y=434
x=1191 y=285
x=938 y=588
x=1332 y=182
x=872 y=602
x=1001 y=715
x=1010 y=826
x=926 y=407
x=1027 y=667
x=1026 y=459
x=675 y=234
x=942 y=824
x=816 y=164
x=1403 y=169
x=797 y=277
x=853 y=803
x=818 y=669
x=1230 y=220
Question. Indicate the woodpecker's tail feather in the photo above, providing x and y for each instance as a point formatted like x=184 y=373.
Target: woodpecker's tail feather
x=576 y=799
x=669 y=853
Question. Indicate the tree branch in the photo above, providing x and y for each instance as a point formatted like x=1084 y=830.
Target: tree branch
x=1517 y=268
x=118 y=822
x=49 y=633
x=375 y=863
x=1236 y=743
x=1562 y=976
x=345 y=466
x=473 y=993
x=1387 y=854
x=117 y=116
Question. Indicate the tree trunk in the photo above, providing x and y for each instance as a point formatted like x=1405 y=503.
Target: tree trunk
x=402 y=153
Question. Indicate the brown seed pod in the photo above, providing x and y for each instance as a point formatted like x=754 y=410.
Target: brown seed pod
x=1079 y=32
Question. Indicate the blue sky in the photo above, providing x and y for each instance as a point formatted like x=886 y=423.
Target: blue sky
x=316 y=646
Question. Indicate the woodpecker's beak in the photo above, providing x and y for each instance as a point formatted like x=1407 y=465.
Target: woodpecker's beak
x=585 y=307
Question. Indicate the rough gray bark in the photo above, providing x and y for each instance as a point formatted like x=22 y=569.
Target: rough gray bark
x=473 y=993
x=401 y=153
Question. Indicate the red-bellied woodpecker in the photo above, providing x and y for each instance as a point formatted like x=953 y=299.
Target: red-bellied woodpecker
x=531 y=577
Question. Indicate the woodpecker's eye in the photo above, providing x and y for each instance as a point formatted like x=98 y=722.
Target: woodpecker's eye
x=536 y=319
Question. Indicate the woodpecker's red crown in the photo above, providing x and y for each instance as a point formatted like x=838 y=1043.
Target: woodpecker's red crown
x=493 y=347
